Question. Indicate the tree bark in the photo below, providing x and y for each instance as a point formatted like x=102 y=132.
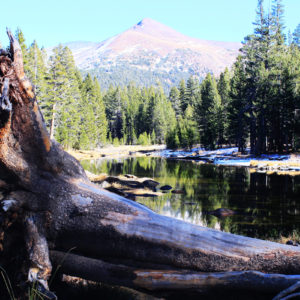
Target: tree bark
x=167 y=281
x=61 y=209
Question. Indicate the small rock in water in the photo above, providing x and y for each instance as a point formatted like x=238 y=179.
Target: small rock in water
x=222 y=212
x=150 y=183
x=165 y=187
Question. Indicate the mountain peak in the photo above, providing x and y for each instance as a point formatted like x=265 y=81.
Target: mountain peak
x=147 y=22
x=154 y=28
x=150 y=50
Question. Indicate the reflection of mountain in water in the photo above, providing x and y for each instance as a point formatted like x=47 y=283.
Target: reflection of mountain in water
x=267 y=206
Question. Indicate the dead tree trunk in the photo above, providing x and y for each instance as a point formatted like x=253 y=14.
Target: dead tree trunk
x=114 y=239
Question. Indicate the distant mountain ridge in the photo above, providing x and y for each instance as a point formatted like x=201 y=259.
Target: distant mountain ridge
x=150 y=51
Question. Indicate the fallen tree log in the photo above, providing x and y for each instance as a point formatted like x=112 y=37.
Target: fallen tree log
x=171 y=280
x=60 y=209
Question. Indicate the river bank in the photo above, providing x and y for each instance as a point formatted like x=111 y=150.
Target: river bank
x=116 y=152
x=282 y=164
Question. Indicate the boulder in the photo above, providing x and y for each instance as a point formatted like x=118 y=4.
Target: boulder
x=149 y=183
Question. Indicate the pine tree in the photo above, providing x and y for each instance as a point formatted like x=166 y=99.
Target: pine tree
x=191 y=92
x=289 y=96
x=37 y=72
x=255 y=55
x=58 y=88
x=238 y=107
x=159 y=121
x=277 y=22
x=208 y=112
x=63 y=97
x=160 y=115
x=143 y=115
x=131 y=106
x=110 y=109
x=223 y=90
x=93 y=124
x=190 y=127
x=118 y=117
x=296 y=36
x=181 y=133
x=99 y=109
x=174 y=98
x=153 y=137
x=182 y=97
x=150 y=103
x=172 y=139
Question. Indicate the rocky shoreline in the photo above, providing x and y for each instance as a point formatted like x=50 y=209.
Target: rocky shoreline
x=128 y=186
x=285 y=164
x=288 y=167
x=131 y=186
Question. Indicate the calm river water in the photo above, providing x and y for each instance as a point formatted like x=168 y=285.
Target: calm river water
x=266 y=206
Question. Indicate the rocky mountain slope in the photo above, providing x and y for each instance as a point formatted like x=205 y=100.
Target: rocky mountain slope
x=150 y=51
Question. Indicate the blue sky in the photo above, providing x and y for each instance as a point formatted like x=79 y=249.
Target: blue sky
x=59 y=21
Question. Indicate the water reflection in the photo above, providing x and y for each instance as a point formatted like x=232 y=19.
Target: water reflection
x=266 y=206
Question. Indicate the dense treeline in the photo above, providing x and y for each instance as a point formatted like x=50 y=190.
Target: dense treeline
x=257 y=103
x=264 y=94
x=73 y=108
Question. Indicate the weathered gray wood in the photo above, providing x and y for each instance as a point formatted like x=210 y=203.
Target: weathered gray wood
x=170 y=280
x=115 y=223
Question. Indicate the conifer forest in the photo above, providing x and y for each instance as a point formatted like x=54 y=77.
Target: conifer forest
x=255 y=104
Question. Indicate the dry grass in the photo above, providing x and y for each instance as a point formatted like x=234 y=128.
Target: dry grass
x=294 y=236
x=291 y=173
x=111 y=151
x=275 y=163
x=279 y=167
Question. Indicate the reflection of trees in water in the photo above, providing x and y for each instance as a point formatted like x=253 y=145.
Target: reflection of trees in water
x=272 y=206
x=266 y=205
